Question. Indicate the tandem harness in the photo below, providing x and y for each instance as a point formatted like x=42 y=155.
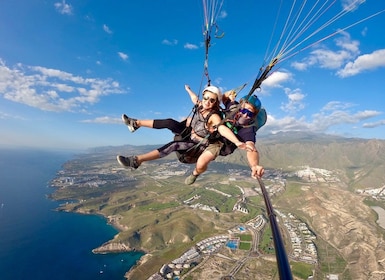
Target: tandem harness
x=192 y=154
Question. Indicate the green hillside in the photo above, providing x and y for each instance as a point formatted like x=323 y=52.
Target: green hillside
x=149 y=206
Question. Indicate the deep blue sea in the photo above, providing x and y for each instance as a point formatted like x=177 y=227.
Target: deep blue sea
x=37 y=242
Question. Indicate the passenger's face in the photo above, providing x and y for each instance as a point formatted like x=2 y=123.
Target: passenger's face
x=209 y=99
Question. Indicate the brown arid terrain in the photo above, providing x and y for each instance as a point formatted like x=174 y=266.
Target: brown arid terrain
x=147 y=206
x=344 y=222
x=346 y=230
x=239 y=263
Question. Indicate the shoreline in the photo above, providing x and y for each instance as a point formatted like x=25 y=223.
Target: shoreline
x=111 y=247
x=114 y=222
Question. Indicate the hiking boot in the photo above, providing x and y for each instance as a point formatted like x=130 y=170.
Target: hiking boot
x=128 y=161
x=191 y=179
x=131 y=123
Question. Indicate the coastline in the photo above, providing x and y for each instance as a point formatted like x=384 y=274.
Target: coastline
x=143 y=259
x=109 y=246
x=112 y=246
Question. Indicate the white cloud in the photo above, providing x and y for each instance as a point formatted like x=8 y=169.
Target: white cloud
x=107 y=29
x=190 y=46
x=300 y=66
x=335 y=59
x=362 y=115
x=295 y=101
x=364 y=62
x=123 y=56
x=276 y=79
x=6 y=116
x=170 y=43
x=346 y=43
x=322 y=121
x=351 y=5
x=104 y=120
x=63 y=8
x=374 y=124
x=223 y=14
x=337 y=105
x=364 y=31
x=332 y=114
x=288 y=123
x=331 y=59
x=52 y=89
x=328 y=59
x=218 y=81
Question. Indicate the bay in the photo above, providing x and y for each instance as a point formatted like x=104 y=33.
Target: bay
x=37 y=242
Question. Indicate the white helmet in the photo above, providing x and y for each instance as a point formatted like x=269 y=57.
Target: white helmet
x=214 y=90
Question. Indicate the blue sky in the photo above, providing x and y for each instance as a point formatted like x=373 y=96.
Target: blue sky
x=69 y=69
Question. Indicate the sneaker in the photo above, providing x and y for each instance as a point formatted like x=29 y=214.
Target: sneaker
x=131 y=123
x=128 y=161
x=190 y=179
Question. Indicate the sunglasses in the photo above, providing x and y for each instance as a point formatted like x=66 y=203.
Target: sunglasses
x=211 y=100
x=247 y=112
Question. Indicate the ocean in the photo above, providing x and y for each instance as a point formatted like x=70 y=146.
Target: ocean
x=37 y=242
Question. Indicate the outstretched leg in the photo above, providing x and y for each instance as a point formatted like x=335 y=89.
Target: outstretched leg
x=171 y=124
x=134 y=124
x=136 y=161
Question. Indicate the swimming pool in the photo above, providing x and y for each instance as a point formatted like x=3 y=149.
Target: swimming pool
x=241 y=228
x=232 y=244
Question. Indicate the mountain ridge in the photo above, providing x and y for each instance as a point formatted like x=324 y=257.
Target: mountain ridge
x=361 y=160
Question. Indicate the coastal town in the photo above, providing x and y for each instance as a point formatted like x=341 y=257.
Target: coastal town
x=301 y=246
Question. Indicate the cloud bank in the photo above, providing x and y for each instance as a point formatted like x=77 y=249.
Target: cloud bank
x=52 y=89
